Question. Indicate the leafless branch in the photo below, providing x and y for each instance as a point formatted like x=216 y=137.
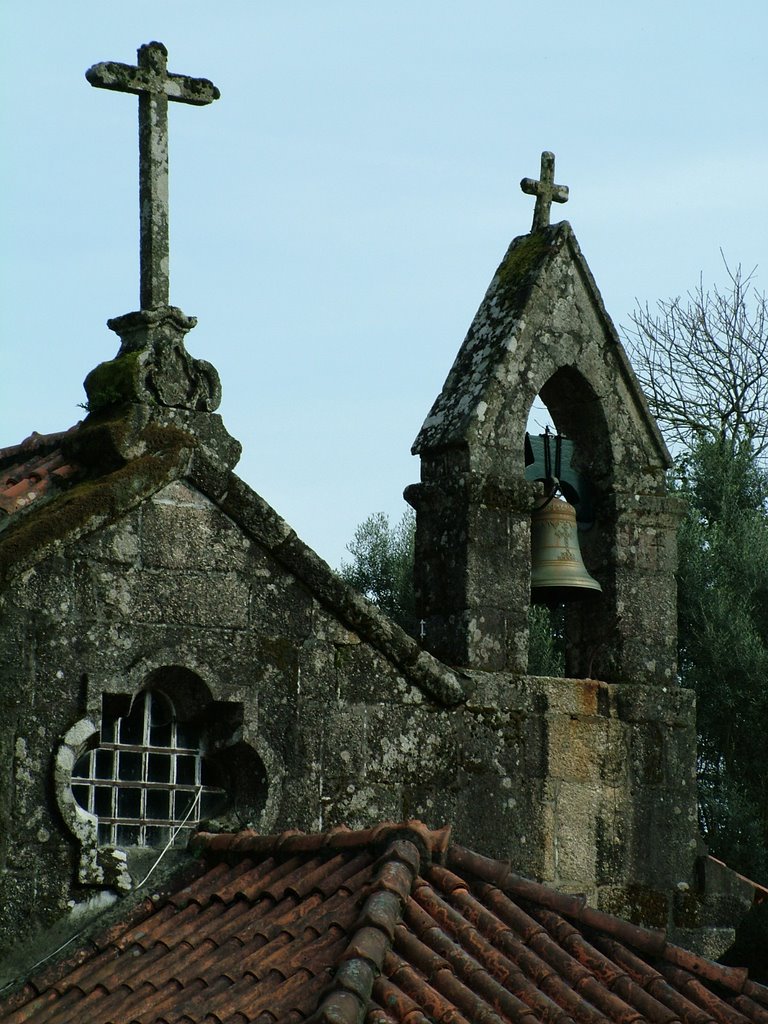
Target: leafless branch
x=703 y=363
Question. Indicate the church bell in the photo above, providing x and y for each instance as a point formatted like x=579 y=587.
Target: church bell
x=557 y=571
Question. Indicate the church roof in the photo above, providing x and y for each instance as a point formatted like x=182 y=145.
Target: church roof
x=391 y=924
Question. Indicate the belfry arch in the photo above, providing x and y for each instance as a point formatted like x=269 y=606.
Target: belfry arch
x=576 y=442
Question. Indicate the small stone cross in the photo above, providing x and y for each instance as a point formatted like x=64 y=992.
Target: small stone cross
x=545 y=190
x=154 y=86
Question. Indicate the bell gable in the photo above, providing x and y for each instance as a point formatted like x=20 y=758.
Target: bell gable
x=542 y=315
x=542 y=330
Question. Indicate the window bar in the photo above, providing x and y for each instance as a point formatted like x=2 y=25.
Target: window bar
x=145 y=767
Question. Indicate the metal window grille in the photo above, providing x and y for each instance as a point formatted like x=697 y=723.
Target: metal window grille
x=144 y=776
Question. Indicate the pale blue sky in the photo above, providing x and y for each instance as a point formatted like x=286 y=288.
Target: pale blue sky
x=337 y=215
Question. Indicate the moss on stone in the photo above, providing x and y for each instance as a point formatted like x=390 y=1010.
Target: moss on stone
x=688 y=909
x=341 y=658
x=88 y=505
x=523 y=258
x=641 y=904
x=280 y=652
x=113 y=382
x=111 y=487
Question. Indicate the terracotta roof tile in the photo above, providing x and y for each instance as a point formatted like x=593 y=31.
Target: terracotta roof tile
x=363 y=959
x=435 y=842
x=385 y=926
x=702 y=996
x=199 y=889
x=732 y=977
x=33 y=469
x=267 y=884
x=751 y=1009
x=475 y=949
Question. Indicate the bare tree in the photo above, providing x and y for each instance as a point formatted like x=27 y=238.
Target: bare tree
x=703 y=363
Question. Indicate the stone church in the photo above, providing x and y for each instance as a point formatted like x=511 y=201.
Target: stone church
x=176 y=659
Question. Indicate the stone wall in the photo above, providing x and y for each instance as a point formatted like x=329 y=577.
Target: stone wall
x=567 y=778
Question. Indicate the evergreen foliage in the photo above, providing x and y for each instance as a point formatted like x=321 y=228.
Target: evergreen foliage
x=382 y=565
x=723 y=641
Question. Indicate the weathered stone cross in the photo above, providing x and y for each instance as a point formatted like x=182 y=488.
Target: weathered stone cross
x=154 y=86
x=546 y=191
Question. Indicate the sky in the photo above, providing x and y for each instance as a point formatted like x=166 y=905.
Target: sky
x=338 y=214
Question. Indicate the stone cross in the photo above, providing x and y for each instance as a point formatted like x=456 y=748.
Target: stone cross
x=154 y=86
x=545 y=190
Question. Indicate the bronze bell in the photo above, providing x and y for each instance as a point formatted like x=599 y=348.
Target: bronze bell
x=557 y=570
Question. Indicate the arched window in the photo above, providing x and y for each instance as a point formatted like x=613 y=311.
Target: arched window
x=147 y=776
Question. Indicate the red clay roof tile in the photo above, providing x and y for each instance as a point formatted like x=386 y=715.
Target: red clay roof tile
x=751 y=1009
x=363 y=958
x=349 y=927
x=700 y=995
x=732 y=977
x=200 y=888
x=33 y=469
x=475 y=951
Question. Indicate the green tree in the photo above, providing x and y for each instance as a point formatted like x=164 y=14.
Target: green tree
x=723 y=644
x=382 y=565
x=703 y=363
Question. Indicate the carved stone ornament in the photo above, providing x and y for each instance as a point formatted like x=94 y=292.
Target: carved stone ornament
x=153 y=367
